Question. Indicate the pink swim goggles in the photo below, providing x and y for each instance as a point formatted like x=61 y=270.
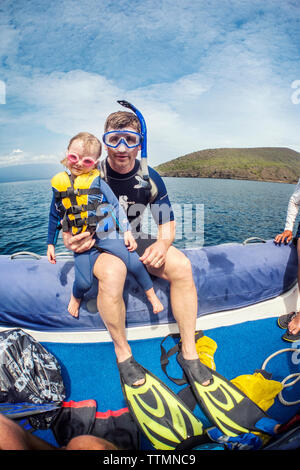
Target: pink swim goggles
x=73 y=158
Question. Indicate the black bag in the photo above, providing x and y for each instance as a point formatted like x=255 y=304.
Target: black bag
x=29 y=374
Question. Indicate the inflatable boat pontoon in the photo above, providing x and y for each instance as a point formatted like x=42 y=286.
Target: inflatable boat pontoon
x=235 y=283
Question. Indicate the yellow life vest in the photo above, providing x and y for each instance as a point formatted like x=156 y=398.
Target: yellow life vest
x=79 y=212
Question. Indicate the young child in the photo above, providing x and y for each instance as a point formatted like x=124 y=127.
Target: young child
x=83 y=201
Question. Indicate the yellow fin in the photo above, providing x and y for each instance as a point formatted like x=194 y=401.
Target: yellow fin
x=162 y=416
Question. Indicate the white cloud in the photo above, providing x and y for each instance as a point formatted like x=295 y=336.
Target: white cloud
x=203 y=77
x=19 y=157
x=195 y=112
x=66 y=102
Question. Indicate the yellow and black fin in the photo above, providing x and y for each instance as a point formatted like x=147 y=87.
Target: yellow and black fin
x=223 y=403
x=161 y=415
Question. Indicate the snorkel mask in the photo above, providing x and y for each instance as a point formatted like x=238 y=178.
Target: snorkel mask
x=144 y=164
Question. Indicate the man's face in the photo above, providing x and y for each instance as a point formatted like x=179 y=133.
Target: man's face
x=122 y=158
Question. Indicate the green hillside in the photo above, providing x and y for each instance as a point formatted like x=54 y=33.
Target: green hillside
x=260 y=164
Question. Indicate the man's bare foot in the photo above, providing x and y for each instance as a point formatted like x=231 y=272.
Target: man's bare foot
x=294 y=325
x=73 y=307
x=139 y=382
x=154 y=300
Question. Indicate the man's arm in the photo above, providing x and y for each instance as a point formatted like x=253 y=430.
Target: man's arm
x=161 y=209
x=79 y=243
x=166 y=233
x=155 y=255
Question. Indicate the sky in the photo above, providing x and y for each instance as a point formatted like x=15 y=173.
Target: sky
x=204 y=73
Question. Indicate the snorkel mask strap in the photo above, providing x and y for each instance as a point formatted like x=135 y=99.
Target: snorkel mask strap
x=139 y=115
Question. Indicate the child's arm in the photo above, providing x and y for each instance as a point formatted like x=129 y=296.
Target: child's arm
x=130 y=241
x=121 y=217
x=53 y=231
x=51 y=254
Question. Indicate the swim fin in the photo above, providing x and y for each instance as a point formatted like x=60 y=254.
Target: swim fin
x=20 y=410
x=226 y=406
x=160 y=414
x=222 y=402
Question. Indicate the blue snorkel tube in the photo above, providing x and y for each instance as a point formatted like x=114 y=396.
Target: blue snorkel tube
x=144 y=163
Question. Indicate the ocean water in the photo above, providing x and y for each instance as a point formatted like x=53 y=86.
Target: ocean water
x=208 y=212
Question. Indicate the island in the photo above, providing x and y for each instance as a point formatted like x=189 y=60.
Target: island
x=275 y=164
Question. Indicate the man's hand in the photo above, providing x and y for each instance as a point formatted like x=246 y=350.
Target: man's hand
x=284 y=237
x=78 y=243
x=130 y=241
x=155 y=255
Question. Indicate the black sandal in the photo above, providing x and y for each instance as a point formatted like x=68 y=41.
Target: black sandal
x=284 y=320
x=291 y=338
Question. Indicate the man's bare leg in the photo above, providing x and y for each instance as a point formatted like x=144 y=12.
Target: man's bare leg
x=88 y=442
x=111 y=273
x=13 y=437
x=183 y=295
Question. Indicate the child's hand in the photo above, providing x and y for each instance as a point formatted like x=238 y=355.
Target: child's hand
x=130 y=241
x=51 y=254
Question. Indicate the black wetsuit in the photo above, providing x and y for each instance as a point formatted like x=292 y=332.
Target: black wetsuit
x=134 y=199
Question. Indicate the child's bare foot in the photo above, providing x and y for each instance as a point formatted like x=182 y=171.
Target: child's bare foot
x=73 y=307
x=154 y=300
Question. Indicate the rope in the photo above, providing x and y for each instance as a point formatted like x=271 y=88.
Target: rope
x=287 y=378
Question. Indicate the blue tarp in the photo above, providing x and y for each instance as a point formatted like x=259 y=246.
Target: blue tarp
x=34 y=294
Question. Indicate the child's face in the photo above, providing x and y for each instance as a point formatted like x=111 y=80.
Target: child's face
x=78 y=149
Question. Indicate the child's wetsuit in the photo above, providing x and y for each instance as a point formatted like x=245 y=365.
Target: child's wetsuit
x=88 y=203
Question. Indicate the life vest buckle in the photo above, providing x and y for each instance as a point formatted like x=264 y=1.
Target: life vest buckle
x=76 y=209
x=72 y=192
x=79 y=222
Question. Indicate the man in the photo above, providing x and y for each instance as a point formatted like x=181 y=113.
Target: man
x=121 y=172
